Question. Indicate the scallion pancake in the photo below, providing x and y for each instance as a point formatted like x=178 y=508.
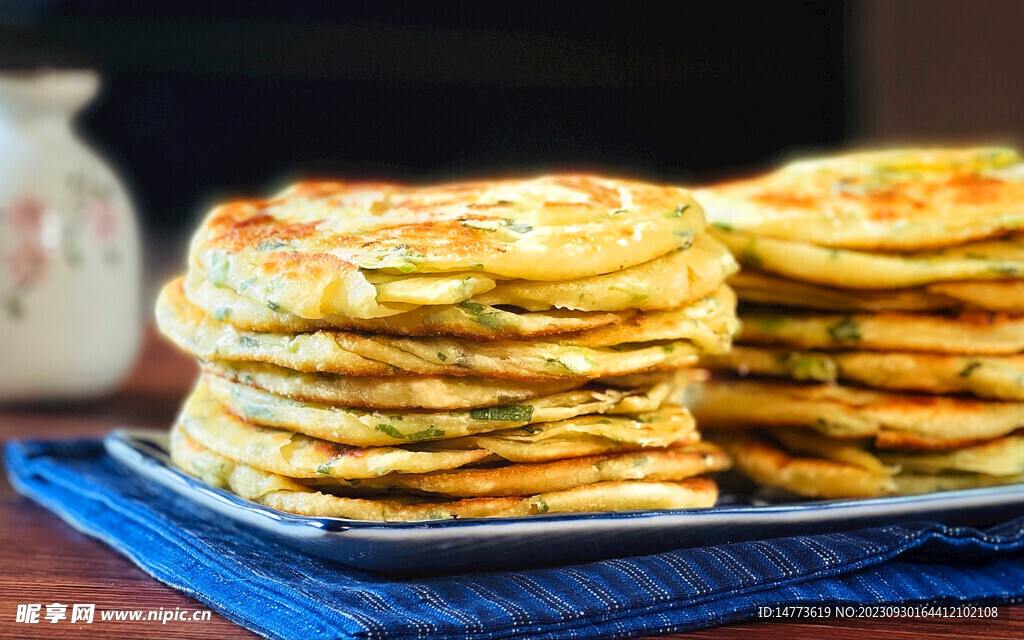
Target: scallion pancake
x=587 y=435
x=317 y=249
x=368 y=428
x=845 y=450
x=892 y=420
x=997 y=295
x=655 y=465
x=288 y=495
x=916 y=483
x=757 y=287
x=657 y=339
x=998 y=457
x=763 y=288
x=673 y=280
x=468 y=319
x=296 y=455
x=805 y=473
x=988 y=260
x=891 y=200
x=966 y=333
x=514 y=308
x=996 y=377
x=394 y=392
x=813 y=477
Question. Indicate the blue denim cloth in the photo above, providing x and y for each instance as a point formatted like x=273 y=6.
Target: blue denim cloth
x=280 y=593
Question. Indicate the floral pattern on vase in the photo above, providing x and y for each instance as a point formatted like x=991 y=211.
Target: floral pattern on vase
x=92 y=220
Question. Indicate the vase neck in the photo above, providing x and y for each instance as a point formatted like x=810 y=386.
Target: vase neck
x=46 y=94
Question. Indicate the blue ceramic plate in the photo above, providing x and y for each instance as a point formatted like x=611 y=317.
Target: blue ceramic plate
x=490 y=543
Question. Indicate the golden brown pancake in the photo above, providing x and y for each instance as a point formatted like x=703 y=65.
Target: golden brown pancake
x=998 y=457
x=983 y=261
x=966 y=333
x=893 y=420
x=655 y=465
x=808 y=474
x=288 y=495
x=996 y=377
x=656 y=339
x=670 y=426
x=812 y=477
x=893 y=200
x=299 y=456
x=326 y=248
x=395 y=392
x=763 y=288
x=467 y=319
x=999 y=295
x=370 y=428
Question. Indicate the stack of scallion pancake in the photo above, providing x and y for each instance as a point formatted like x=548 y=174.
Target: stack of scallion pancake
x=882 y=303
x=385 y=352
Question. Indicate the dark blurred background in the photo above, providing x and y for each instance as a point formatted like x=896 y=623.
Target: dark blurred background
x=204 y=100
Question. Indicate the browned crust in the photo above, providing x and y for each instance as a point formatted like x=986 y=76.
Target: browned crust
x=528 y=478
x=770 y=466
x=243 y=224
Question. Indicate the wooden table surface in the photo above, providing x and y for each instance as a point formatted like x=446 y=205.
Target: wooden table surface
x=42 y=560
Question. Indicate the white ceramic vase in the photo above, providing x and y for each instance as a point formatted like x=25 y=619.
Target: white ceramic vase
x=70 y=279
